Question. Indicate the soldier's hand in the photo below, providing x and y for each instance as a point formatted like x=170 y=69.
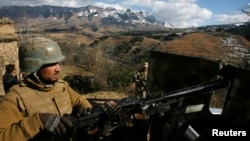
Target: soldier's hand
x=111 y=108
x=83 y=111
x=57 y=125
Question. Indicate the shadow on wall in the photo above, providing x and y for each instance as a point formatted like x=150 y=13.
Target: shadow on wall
x=168 y=72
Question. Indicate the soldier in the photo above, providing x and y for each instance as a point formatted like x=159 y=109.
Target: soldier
x=141 y=120
x=140 y=79
x=35 y=108
x=10 y=77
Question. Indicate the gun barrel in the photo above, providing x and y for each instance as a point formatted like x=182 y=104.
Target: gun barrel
x=208 y=87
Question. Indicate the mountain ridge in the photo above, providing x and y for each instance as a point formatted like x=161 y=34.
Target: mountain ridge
x=95 y=16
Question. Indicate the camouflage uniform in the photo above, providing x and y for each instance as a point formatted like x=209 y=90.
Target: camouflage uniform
x=140 y=79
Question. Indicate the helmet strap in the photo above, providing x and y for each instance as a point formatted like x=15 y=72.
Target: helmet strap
x=47 y=84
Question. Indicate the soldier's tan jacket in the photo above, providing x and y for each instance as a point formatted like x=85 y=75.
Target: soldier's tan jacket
x=19 y=120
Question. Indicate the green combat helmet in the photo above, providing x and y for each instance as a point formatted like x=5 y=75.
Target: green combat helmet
x=36 y=52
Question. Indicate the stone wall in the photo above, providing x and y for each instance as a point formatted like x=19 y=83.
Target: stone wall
x=9 y=29
x=8 y=47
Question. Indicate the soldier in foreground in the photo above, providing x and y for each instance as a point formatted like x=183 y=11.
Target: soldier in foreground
x=35 y=109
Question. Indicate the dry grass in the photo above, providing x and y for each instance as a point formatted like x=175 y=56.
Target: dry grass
x=106 y=95
x=242 y=40
x=71 y=70
x=203 y=45
x=196 y=43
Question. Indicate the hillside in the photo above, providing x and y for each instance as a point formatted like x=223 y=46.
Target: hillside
x=132 y=50
x=230 y=48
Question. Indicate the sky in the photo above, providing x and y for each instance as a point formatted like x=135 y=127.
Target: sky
x=180 y=13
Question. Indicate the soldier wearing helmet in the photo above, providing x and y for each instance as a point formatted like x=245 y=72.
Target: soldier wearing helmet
x=35 y=108
x=140 y=80
x=141 y=121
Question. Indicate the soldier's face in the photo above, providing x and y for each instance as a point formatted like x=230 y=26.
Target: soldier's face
x=50 y=72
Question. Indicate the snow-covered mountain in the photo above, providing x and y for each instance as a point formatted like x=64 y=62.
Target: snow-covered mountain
x=90 y=14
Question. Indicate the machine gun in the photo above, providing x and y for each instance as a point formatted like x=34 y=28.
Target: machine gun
x=155 y=103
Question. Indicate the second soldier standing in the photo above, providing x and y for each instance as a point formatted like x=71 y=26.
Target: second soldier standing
x=140 y=80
